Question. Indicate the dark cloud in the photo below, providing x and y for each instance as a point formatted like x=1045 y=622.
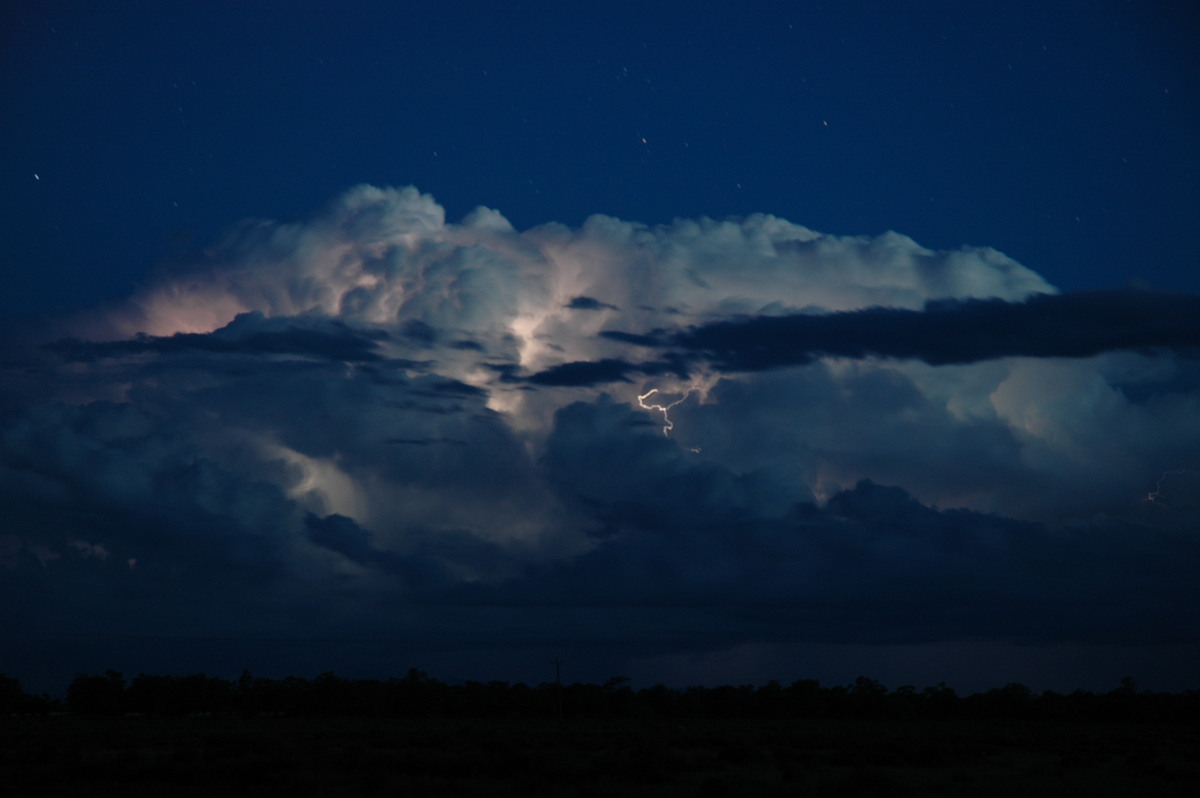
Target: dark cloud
x=956 y=331
x=415 y=571
x=946 y=332
x=341 y=534
x=445 y=388
x=872 y=565
x=589 y=303
x=248 y=334
x=584 y=373
x=685 y=553
x=580 y=373
x=419 y=332
x=653 y=339
x=119 y=517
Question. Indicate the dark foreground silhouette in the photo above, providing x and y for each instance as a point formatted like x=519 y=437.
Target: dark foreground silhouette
x=417 y=736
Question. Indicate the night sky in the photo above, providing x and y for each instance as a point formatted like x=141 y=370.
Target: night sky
x=697 y=343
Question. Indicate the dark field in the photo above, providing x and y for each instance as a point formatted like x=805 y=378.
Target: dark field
x=231 y=755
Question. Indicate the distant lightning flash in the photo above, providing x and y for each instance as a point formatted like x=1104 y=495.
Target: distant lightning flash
x=664 y=409
x=1155 y=496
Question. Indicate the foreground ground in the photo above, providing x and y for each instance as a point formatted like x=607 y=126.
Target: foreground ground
x=294 y=757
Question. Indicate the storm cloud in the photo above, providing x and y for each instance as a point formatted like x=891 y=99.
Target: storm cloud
x=951 y=331
x=625 y=441
x=247 y=334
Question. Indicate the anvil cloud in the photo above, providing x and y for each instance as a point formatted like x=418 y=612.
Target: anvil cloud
x=375 y=424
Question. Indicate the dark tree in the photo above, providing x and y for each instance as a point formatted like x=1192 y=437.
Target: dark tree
x=97 y=695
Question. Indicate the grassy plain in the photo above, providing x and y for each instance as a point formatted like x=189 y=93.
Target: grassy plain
x=231 y=755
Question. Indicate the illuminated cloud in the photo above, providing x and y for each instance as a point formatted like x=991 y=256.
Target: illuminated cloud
x=868 y=440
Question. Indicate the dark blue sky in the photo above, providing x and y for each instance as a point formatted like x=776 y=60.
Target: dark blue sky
x=880 y=358
x=1061 y=133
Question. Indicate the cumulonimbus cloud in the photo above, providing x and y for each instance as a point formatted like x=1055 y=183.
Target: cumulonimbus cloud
x=390 y=410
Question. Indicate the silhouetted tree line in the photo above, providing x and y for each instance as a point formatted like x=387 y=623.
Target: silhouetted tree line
x=15 y=701
x=418 y=695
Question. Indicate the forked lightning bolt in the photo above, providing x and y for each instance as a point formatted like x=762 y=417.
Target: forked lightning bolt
x=1155 y=496
x=664 y=409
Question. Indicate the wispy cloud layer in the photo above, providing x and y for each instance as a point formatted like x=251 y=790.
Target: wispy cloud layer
x=375 y=422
